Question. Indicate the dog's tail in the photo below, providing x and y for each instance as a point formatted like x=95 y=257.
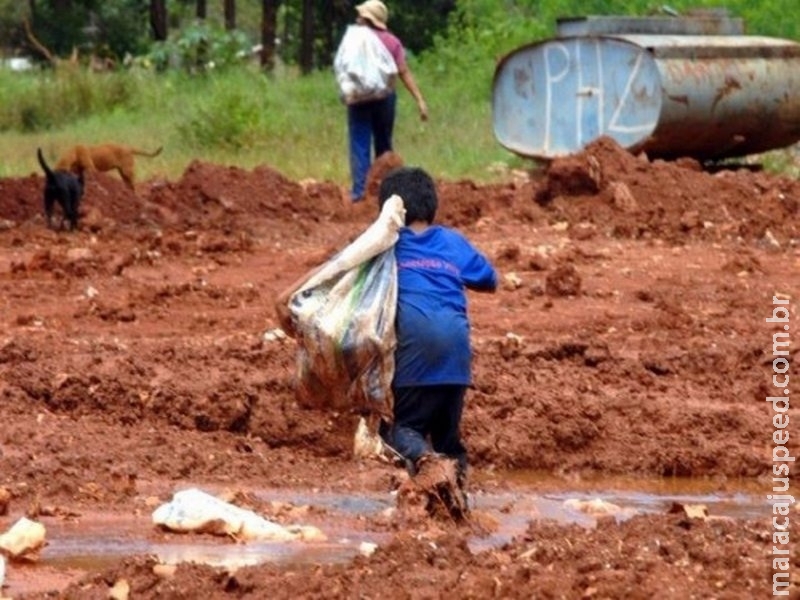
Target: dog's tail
x=47 y=170
x=146 y=153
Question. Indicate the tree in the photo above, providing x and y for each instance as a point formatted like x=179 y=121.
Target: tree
x=269 y=30
x=230 y=14
x=158 y=19
x=108 y=29
x=307 y=37
x=202 y=9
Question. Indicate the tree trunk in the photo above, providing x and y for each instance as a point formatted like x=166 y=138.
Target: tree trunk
x=158 y=19
x=269 y=29
x=307 y=37
x=329 y=22
x=230 y=15
x=202 y=9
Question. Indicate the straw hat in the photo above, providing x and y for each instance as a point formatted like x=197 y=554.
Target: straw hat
x=375 y=12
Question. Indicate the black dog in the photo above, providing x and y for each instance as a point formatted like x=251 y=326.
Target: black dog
x=62 y=187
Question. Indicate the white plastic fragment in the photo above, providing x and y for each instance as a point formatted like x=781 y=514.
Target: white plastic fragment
x=24 y=539
x=273 y=335
x=193 y=510
x=367 y=548
x=595 y=507
x=366 y=444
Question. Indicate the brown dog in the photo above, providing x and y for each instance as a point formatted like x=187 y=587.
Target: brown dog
x=103 y=157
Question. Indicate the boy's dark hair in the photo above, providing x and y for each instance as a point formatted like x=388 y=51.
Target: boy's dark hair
x=417 y=190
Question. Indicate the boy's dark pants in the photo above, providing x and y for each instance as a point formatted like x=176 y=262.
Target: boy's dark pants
x=435 y=411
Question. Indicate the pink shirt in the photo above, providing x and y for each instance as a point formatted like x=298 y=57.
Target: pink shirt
x=393 y=45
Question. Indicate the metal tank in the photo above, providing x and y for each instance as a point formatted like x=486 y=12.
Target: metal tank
x=689 y=86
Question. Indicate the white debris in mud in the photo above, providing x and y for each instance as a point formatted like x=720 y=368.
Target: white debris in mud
x=24 y=539
x=367 y=548
x=596 y=507
x=193 y=510
x=274 y=335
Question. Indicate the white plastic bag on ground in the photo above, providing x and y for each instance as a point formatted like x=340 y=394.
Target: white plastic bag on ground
x=23 y=540
x=344 y=315
x=193 y=510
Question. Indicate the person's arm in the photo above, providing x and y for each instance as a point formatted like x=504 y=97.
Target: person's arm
x=411 y=85
x=477 y=272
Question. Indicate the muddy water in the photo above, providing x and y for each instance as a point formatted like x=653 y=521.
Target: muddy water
x=82 y=545
x=542 y=496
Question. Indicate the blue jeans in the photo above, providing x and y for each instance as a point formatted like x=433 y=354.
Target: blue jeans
x=368 y=123
x=428 y=411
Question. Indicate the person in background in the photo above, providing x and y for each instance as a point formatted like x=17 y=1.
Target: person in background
x=372 y=122
x=435 y=265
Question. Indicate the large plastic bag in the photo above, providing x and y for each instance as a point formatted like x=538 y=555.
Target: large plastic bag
x=195 y=510
x=344 y=316
x=363 y=66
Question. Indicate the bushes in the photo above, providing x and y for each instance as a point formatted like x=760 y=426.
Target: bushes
x=32 y=102
x=230 y=120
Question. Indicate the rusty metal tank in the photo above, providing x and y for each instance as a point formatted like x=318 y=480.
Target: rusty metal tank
x=688 y=86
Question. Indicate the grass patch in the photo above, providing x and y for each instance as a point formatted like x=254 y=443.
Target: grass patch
x=238 y=116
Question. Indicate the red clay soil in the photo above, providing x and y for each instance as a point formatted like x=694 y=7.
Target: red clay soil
x=628 y=338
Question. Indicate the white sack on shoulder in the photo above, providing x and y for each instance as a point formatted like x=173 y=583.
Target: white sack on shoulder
x=363 y=66
x=378 y=237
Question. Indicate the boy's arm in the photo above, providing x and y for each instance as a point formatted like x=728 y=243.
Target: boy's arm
x=479 y=275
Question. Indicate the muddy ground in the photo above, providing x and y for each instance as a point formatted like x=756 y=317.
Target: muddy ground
x=628 y=340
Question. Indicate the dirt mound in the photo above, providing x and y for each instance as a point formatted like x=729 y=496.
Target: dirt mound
x=603 y=189
x=628 y=196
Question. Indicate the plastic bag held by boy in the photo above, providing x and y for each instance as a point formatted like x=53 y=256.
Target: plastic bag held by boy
x=344 y=317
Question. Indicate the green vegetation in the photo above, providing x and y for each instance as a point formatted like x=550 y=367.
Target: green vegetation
x=236 y=116
x=234 y=113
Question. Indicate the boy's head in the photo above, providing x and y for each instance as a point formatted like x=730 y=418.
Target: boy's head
x=417 y=190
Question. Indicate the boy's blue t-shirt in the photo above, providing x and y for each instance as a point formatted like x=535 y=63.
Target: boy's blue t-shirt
x=433 y=269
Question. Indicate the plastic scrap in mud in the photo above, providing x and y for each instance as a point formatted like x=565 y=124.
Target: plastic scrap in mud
x=24 y=540
x=690 y=511
x=193 y=510
x=596 y=507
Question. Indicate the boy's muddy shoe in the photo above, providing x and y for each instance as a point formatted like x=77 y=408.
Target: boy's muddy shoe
x=435 y=487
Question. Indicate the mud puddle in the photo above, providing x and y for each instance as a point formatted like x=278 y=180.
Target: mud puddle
x=94 y=543
x=545 y=497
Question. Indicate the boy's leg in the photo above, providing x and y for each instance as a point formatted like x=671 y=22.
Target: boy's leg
x=446 y=422
x=359 y=129
x=412 y=414
x=446 y=430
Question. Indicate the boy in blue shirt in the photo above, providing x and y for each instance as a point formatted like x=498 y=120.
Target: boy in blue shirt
x=435 y=265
